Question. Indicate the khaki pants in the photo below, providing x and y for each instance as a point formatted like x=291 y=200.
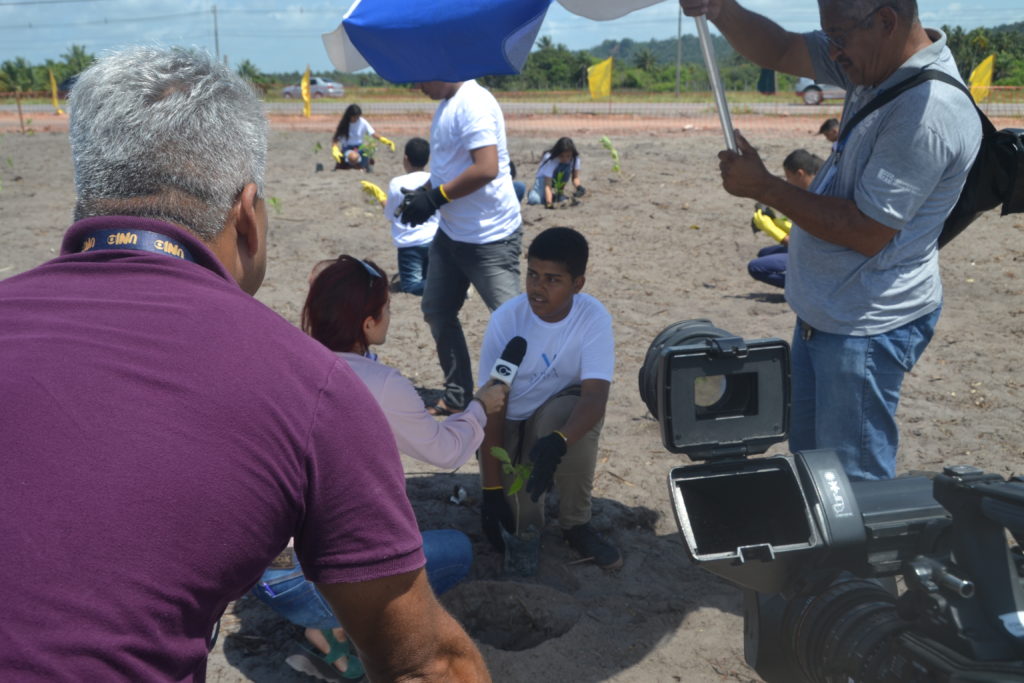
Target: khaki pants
x=574 y=477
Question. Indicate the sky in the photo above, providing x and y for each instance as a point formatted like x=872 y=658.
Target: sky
x=281 y=36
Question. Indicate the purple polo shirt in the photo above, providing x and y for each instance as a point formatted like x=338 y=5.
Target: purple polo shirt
x=162 y=436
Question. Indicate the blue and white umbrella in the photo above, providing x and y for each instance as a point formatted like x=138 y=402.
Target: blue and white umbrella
x=407 y=41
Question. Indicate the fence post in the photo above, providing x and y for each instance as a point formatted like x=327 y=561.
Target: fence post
x=21 y=119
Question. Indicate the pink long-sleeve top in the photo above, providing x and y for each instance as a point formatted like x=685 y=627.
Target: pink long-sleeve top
x=448 y=443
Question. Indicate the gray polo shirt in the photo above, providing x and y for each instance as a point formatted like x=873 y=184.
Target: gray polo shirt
x=904 y=165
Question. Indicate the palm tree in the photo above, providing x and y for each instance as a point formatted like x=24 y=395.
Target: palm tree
x=645 y=60
x=77 y=59
x=545 y=43
x=16 y=74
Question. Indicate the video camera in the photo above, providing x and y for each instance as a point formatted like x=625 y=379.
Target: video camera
x=816 y=554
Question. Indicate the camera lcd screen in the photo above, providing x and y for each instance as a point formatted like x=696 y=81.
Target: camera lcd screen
x=718 y=397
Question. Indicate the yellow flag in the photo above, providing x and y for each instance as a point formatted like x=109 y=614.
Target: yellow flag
x=307 y=107
x=981 y=78
x=599 y=78
x=53 y=91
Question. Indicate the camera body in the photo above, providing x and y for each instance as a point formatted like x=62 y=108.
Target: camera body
x=815 y=553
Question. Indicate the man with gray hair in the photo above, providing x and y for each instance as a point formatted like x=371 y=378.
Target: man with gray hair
x=863 y=273
x=164 y=434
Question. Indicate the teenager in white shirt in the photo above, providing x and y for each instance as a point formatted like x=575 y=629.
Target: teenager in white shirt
x=479 y=236
x=557 y=175
x=412 y=241
x=347 y=143
x=557 y=402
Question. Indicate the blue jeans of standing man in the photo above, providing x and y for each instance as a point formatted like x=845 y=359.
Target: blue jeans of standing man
x=412 y=268
x=287 y=592
x=846 y=390
x=493 y=269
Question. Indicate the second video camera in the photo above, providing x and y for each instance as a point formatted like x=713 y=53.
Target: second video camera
x=809 y=546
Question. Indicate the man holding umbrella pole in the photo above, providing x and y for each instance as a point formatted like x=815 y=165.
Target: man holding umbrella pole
x=863 y=273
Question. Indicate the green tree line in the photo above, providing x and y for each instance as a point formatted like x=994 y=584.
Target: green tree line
x=18 y=75
x=644 y=65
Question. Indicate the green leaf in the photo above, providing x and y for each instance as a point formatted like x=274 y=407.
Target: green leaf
x=501 y=455
x=516 y=485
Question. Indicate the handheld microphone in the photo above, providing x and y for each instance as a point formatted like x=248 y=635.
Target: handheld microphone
x=506 y=367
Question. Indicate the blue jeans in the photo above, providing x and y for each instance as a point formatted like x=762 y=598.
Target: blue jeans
x=412 y=268
x=770 y=265
x=286 y=591
x=520 y=188
x=846 y=390
x=493 y=269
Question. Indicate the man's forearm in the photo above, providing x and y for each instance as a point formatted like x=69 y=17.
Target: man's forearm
x=402 y=632
x=832 y=219
x=763 y=41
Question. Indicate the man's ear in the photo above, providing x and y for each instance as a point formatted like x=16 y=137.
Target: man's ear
x=577 y=284
x=248 y=225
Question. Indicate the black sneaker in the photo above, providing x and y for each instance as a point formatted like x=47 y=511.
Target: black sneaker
x=590 y=544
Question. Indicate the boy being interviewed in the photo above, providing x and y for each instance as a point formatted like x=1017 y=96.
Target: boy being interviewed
x=556 y=406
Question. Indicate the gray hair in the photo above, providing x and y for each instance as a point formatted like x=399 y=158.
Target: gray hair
x=166 y=133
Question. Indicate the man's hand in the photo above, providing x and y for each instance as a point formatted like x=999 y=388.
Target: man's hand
x=420 y=204
x=709 y=8
x=495 y=511
x=546 y=455
x=580 y=191
x=744 y=174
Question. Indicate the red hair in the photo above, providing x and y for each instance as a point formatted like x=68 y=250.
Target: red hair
x=341 y=297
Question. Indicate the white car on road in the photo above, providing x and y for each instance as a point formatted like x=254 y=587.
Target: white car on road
x=318 y=87
x=815 y=93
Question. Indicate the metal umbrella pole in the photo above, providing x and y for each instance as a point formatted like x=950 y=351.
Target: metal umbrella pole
x=708 y=51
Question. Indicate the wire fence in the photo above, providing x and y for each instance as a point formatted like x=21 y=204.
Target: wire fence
x=408 y=112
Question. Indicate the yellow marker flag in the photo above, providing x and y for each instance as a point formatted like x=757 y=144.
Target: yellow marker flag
x=307 y=107
x=53 y=91
x=981 y=78
x=599 y=78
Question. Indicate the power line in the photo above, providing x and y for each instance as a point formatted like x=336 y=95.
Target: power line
x=100 y=22
x=47 y=2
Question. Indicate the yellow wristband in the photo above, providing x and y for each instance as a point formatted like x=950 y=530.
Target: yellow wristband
x=443 y=193
x=564 y=437
x=494 y=488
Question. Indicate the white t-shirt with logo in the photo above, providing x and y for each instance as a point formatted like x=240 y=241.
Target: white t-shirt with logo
x=356 y=131
x=558 y=355
x=468 y=120
x=402 y=234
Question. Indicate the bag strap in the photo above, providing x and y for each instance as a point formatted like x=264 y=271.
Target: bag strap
x=890 y=94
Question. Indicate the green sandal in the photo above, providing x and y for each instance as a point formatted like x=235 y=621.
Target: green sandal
x=321 y=665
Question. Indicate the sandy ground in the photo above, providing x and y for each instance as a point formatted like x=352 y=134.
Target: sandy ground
x=667 y=244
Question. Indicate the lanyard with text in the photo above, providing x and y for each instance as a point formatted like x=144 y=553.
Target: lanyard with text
x=138 y=240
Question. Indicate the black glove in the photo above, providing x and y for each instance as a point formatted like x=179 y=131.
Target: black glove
x=420 y=204
x=549 y=206
x=580 y=191
x=546 y=455
x=495 y=511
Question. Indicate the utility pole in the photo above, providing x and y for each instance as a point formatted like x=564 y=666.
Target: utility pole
x=679 y=50
x=216 y=35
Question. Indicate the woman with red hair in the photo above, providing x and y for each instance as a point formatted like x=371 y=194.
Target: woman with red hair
x=348 y=310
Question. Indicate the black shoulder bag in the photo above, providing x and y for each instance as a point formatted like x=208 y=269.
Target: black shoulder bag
x=997 y=174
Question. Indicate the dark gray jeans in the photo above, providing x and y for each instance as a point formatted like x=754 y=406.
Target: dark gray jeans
x=493 y=270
